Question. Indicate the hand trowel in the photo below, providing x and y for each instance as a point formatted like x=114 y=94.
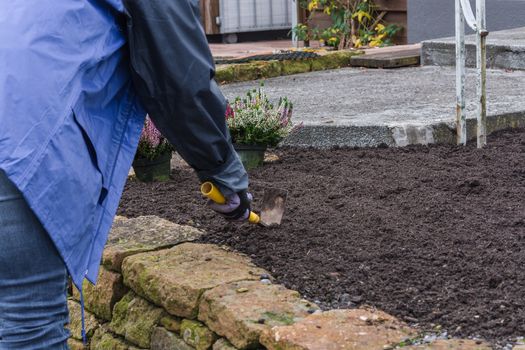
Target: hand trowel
x=272 y=208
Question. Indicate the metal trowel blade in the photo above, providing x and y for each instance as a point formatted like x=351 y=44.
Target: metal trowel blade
x=273 y=206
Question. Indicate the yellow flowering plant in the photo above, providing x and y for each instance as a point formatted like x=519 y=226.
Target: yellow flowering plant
x=355 y=23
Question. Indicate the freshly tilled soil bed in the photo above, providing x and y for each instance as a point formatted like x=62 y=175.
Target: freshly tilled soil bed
x=432 y=234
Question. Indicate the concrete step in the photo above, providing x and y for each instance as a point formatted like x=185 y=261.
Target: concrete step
x=505 y=50
x=395 y=107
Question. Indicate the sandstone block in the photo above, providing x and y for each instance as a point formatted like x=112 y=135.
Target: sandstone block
x=163 y=339
x=103 y=339
x=143 y=234
x=452 y=344
x=171 y=323
x=101 y=298
x=135 y=319
x=176 y=278
x=242 y=317
x=197 y=335
x=75 y=321
x=75 y=344
x=339 y=330
x=223 y=344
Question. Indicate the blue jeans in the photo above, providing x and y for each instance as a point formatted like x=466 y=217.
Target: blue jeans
x=33 y=279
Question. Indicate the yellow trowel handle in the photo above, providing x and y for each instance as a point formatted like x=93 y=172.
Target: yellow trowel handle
x=212 y=192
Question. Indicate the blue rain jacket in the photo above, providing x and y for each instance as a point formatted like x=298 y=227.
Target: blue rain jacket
x=70 y=115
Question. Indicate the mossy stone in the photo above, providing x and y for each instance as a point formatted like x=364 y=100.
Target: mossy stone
x=171 y=323
x=269 y=69
x=332 y=60
x=103 y=339
x=246 y=71
x=75 y=321
x=223 y=344
x=197 y=335
x=101 y=298
x=225 y=74
x=289 y=67
x=75 y=344
x=135 y=319
x=162 y=339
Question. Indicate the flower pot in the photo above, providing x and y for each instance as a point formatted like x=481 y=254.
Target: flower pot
x=157 y=169
x=251 y=156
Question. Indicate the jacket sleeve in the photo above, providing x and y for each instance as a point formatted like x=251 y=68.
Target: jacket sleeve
x=173 y=72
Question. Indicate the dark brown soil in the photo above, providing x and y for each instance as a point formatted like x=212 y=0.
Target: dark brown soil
x=434 y=235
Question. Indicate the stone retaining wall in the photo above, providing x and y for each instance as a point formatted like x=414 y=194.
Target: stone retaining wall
x=157 y=290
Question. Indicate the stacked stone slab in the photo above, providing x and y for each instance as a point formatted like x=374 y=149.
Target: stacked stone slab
x=162 y=292
x=127 y=237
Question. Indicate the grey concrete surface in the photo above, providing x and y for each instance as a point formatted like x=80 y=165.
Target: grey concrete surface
x=505 y=50
x=367 y=107
x=430 y=19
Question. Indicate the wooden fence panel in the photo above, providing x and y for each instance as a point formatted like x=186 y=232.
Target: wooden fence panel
x=209 y=12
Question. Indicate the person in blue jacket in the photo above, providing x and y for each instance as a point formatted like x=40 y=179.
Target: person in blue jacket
x=76 y=80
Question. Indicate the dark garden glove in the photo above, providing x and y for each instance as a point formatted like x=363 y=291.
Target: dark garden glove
x=237 y=207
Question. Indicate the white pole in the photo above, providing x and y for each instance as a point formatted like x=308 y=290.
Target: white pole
x=481 y=65
x=295 y=21
x=461 y=127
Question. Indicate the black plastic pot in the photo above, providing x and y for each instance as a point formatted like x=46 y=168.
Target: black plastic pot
x=157 y=169
x=251 y=156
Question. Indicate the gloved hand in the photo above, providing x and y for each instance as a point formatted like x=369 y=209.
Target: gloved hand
x=237 y=207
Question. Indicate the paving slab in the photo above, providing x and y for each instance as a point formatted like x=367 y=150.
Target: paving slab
x=505 y=50
x=359 y=107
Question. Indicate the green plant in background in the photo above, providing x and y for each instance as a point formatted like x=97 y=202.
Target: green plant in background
x=301 y=32
x=254 y=120
x=355 y=23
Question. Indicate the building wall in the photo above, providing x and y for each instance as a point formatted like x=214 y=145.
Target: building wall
x=430 y=19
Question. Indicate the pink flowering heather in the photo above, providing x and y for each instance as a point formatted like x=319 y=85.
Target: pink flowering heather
x=150 y=134
x=229 y=112
x=151 y=143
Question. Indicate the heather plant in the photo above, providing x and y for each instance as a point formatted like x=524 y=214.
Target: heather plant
x=254 y=120
x=151 y=143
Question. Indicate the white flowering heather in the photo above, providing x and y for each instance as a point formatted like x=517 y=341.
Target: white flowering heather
x=151 y=143
x=254 y=120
